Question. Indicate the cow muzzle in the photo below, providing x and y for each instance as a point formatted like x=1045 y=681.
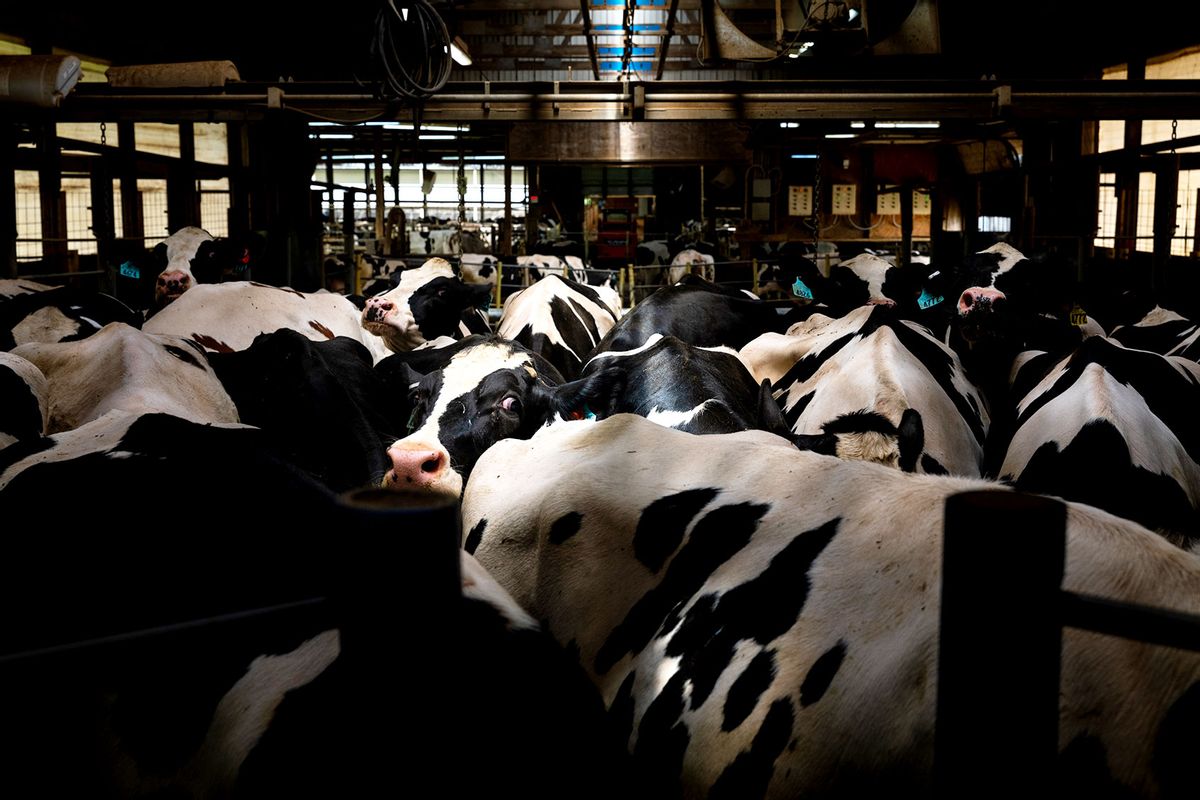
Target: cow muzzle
x=979 y=298
x=378 y=310
x=421 y=466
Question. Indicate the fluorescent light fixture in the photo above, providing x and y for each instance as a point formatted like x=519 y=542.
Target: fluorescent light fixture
x=437 y=136
x=908 y=124
x=789 y=124
x=804 y=155
x=805 y=46
x=458 y=51
x=995 y=224
x=335 y=135
x=404 y=13
x=474 y=158
x=853 y=15
x=840 y=135
x=858 y=124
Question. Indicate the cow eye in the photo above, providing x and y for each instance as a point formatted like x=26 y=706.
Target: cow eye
x=512 y=404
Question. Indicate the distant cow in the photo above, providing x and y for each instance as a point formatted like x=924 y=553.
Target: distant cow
x=699 y=313
x=1113 y=427
x=898 y=395
x=763 y=622
x=10 y=288
x=559 y=319
x=1162 y=331
x=428 y=302
x=192 y=255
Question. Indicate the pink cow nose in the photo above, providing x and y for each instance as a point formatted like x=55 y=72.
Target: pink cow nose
x=417 y=466
x=378 y=308
x=175 y=281
x=976 y=295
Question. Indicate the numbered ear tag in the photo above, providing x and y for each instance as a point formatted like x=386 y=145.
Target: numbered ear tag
x=1078 y=316
x=926 y=300
x=130 y=271
x=801 y=290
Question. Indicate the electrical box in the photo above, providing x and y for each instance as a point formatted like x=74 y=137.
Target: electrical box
x=800 y=201
x=921 y=204
x=760 y=212
x=887 y=202
x=844 y=199
x=762 y=187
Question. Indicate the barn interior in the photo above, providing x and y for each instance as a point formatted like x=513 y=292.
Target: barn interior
x=334 y=142
x=903 y=128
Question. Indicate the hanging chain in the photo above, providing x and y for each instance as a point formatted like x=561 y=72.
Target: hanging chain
x=1174 y=134
x=462 y=187
x=103 y=133
x=815 y=220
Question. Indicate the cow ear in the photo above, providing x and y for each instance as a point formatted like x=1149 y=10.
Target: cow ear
x=596 y=395
x=823 y=443
x=159 y=253
x=770 y=416
x=910 y=439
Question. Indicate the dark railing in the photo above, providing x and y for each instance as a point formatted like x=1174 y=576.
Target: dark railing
x=1000 y=646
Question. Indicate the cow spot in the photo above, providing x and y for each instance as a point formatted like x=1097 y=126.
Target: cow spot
x=620 y=713
x=663 y=739
x=183 y=355
x=821 y=673
x=750 y=773
x=745 y=692
x=211 y=343
x=662 y=525
x=321 y=329
x=565 y=527
x=931 y=466
x=715 y=539
x=760 y=609
x=475 y=536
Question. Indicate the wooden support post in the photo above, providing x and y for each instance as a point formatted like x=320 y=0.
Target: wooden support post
x=53 y=202
x=238 y=145
x=183 y=202
x=379 y=198
x=1000 y=638
x=8 y=201
x=1166 y=203
x=133 y=225
x=103 y=224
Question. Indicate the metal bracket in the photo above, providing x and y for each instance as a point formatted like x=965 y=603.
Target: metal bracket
x=487 y=90
x=274 y=97
x=639 y=102
x=1003 y=99
x=554 y=105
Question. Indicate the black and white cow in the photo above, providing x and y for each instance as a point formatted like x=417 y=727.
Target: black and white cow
x=898 y=395
x=691 y=262
x=10 y=288
x=1113 y=427
x=694 y=389
x=699 y=313
x=123 y=368
x=428 y=302
x=225 y=317
x=192 y=255
x=263 y=709
x=23 y=400
x=321 y=402
x=1162 y=331
x=559 y=319
x=763 y=622
x=59 y=314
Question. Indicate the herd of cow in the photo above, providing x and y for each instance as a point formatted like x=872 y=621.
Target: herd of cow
x=726 y=512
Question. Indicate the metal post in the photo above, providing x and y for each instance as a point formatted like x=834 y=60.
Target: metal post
x=133 y=226
x=53 y=201
x=1001 y=638
x=379 y=199
x=103 y=225
x=507 y=229
x=906 y=224
x=183 y=203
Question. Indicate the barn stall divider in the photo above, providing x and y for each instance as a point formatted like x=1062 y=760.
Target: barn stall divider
x=1003 y=611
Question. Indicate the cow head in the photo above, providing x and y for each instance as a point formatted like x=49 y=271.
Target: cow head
x=427 y=302
x=192 y=255
x=490 y=390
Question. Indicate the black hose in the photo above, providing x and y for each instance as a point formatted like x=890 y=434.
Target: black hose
x=411 y=56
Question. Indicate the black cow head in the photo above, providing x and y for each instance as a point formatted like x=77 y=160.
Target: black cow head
x=428 y=302
x=490 y=390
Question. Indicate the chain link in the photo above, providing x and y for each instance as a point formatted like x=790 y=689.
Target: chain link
x=462 y=188
x=103 y=133
x=1174 y=134
x=815 y=221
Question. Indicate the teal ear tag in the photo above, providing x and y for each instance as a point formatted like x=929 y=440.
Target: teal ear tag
x=130 y=271
x=801 y=290
x=926 y=300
